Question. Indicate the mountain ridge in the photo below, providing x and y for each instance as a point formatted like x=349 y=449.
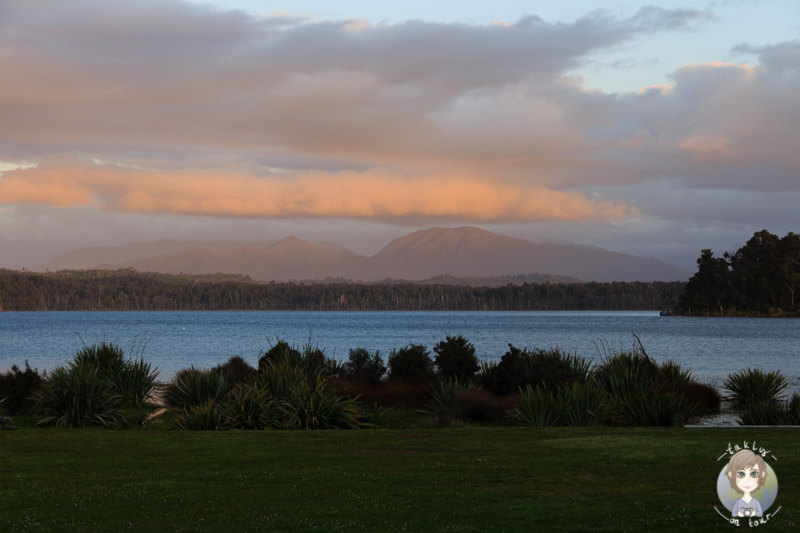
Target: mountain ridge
x=464 y=252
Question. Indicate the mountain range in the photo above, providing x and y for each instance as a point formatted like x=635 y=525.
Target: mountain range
x=465 y=252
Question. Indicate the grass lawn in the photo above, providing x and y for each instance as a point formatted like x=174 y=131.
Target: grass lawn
x=469 y=478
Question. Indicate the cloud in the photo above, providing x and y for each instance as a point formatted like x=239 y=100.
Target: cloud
x=219 y=113
x=378 y=193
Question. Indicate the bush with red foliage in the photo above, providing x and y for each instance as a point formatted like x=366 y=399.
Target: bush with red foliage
x=392 y=393
x=480 y=405
x=704 y=398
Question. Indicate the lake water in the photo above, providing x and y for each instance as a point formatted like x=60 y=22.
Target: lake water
x=710 y=347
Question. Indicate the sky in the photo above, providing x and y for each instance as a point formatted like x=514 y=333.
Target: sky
x=652 y=128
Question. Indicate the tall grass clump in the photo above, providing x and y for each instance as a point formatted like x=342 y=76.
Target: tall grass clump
x=79 y=396
x=755 y=385
x=192 y=387
x=578 y=404
x=443 y=402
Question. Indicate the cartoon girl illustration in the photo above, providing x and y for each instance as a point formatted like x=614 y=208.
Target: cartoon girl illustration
x=747 y=473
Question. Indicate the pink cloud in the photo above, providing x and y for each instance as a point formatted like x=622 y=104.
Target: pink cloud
x=374 y=193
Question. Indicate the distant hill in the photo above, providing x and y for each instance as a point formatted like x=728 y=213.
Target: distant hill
x=473 y=252
x=96 y=256
x=465 y=252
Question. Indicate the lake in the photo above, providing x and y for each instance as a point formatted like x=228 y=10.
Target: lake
x=710 y=347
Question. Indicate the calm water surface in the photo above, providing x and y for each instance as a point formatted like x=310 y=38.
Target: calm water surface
x=710 y=347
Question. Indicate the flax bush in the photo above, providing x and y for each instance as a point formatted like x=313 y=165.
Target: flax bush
x=95 y=388
x=78 y=396
x=251 y=407
x=206 y=416
x=313 y=405
x=755 y=385
x=132 y=380
x=443 y=402
x=193 y=387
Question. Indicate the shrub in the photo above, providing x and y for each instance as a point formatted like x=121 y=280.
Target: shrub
x=703 y=399
x=386 y=394
x=310 y=360
x=206 y=416
x=411 y=364
x=251 y=407
x=510 y=374
x=280 y=352
x=237 y=370
x=482 y=406
x=455 y=357
x=549 y=368
x=313 y=405
x=554 y=369
x=754 y=385
x=19 y=388
x=78 y=396
x=364 y=368
x=192 y=387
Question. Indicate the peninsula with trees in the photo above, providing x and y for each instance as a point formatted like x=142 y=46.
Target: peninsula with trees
x=759 y=279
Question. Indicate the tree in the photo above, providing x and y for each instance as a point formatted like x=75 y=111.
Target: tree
x=364 y=367
x=411 y=364
x=708 y=290
x=455 y=357
x=789 y=267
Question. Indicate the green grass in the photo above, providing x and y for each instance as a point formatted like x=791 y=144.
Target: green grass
x=463 y=479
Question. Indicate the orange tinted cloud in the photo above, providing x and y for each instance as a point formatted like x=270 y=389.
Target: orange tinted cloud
x=374 y=193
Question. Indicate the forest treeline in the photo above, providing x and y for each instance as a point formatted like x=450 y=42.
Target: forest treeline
x=760 y=279
x=127 y=290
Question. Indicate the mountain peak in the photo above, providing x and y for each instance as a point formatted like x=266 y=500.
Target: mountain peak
x=447 y=240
